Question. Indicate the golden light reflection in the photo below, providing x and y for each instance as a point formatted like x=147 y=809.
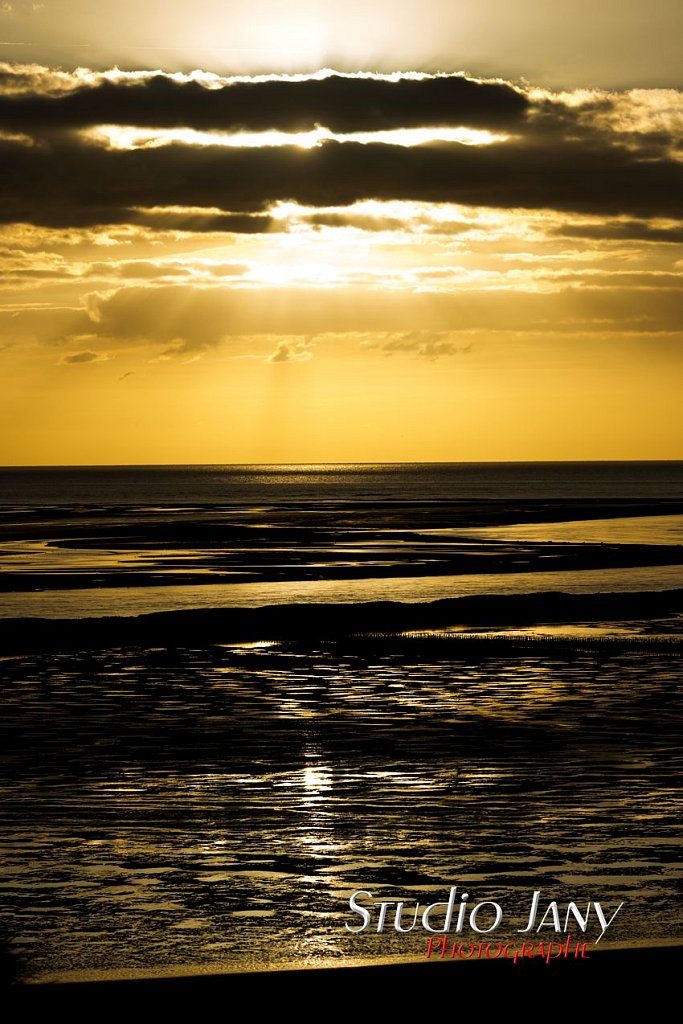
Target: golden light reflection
x=316 y=780
x=125 y=137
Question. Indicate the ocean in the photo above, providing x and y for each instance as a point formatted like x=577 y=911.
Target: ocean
x=364 y=482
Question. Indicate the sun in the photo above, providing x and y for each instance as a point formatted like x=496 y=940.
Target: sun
x=302 y=38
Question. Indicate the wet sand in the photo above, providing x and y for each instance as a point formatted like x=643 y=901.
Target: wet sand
x=168 y=780
x=61 y=548
x=221 y=801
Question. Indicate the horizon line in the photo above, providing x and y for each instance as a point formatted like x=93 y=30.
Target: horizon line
x=411 y=462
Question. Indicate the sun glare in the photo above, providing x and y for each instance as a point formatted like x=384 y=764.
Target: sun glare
x=124 y=137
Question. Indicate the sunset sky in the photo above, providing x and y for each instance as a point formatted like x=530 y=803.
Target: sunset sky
x=462 y=243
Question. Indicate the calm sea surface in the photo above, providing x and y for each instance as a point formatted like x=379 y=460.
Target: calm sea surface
x=180 y=485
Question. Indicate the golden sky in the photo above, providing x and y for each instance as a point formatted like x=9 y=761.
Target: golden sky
x=464 y=243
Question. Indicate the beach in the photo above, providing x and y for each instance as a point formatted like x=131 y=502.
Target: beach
x=225 y=714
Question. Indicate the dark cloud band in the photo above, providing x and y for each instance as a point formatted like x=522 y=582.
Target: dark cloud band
x=591 y=156
x=340 y=103
x=70 y=183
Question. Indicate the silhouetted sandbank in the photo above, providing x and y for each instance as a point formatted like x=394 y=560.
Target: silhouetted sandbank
x=320 y=621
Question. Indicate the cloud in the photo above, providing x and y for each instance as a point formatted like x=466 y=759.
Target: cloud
x=425 y=345
x=167 y=270
x=379 y=221
x=594 y=153
x=288 y=351
x=339 y=102
x=185 y=320
x=631 y=230
x=71 y=184
x=76 y=358
x=203 y=220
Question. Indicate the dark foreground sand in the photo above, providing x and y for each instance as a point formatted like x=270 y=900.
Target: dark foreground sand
x=608 y=979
